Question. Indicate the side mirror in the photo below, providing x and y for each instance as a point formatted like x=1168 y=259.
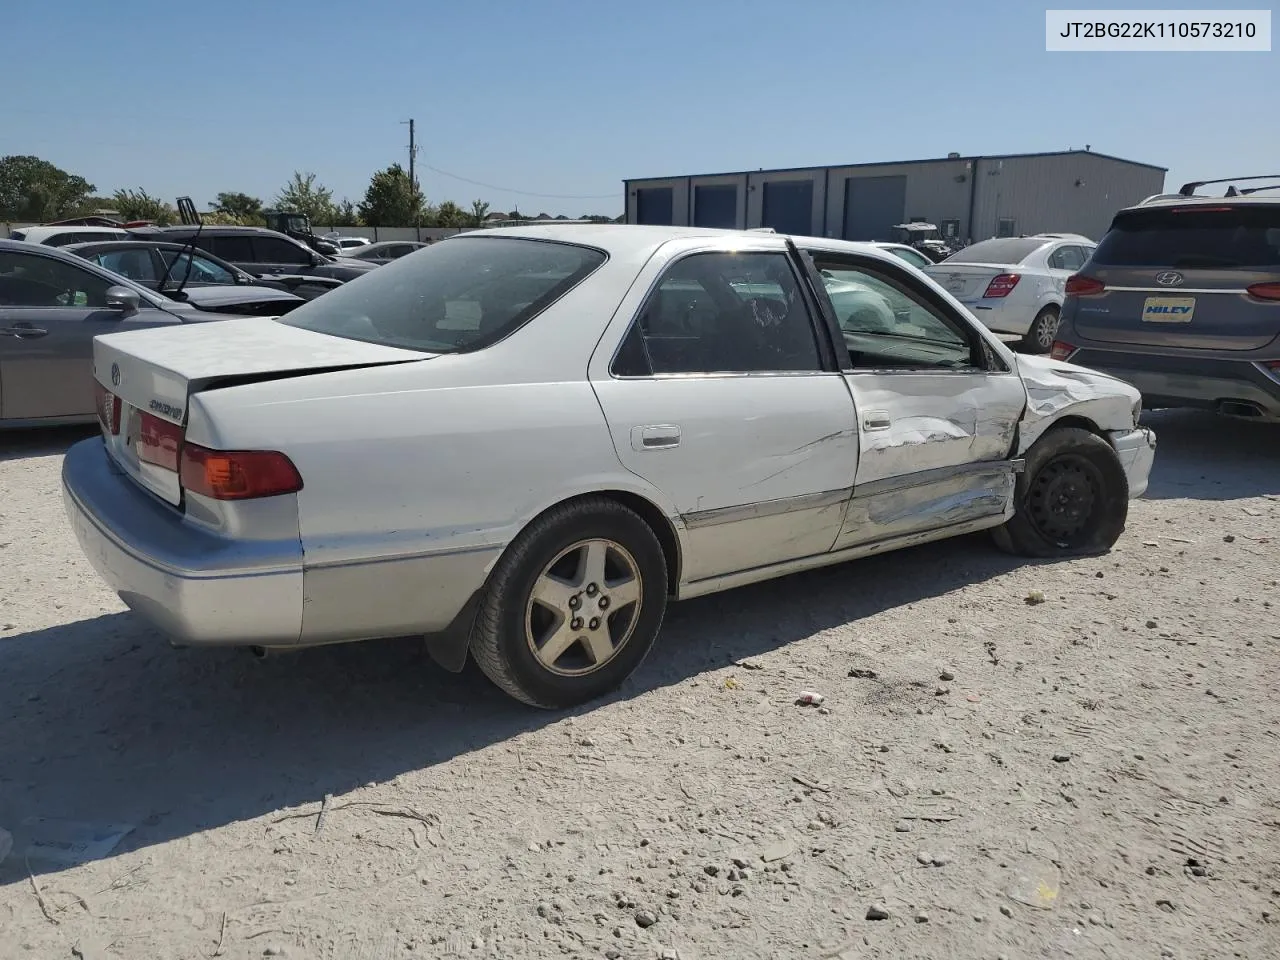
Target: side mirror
x=123 y=299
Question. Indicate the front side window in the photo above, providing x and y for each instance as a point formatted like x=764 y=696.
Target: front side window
x=203 y=270
x=464 y=295
x=723 y=313
x=887 y=325
x=27 y=280
x=278 y=250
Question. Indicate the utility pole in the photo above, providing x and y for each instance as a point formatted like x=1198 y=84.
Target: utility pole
x=413 y=180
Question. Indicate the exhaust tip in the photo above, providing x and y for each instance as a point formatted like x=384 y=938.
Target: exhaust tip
x=259 y=653
x=1240 y=408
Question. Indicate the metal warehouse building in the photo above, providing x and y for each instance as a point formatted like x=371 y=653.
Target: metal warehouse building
x=1073 y=191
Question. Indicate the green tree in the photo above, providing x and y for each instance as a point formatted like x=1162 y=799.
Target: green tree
x=479 y=210
x=345 y=214
x=391 y=200
x=244 y=208
x=303 y=195
x=140 y=205
x=34 y=189
x=449 y=214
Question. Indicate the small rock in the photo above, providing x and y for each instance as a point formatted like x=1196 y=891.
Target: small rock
x=779 y=850
x=863 y=674
x=1151 y=624
x=825 y=711
x=979 y=918
x=274 y=952
x=742 y=863
x=922 y=917
x=1166 y=905
x=477 y=943
x=946 y=676
x=646 y=918
x=711 y=870
x=902 y=826
x=941 y=860
x=1034 y=598
x=877 y=912
x=1006 y=910
x=1095 y=920
x=941 y=691
x=925 y=858
x=612 y=954
x=735 y=874
x=1061 y=757
x=1229 y=539
x=669 y=954
x=883 y=748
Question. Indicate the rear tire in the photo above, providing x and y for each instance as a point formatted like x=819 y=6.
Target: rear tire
x=1072 y=499
x=573 y=606
x=1044 y=330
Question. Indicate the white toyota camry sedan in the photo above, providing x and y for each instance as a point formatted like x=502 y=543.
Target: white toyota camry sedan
x=522 y=443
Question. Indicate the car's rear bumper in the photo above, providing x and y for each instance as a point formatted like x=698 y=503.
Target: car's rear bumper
x=1001 y=314
x=1235 y=387
x=196 y=586
x=1137 y=452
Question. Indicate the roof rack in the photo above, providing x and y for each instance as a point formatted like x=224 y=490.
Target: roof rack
x=1189 y=189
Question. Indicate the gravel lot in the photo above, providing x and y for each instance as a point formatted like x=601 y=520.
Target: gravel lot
x=1094 y=775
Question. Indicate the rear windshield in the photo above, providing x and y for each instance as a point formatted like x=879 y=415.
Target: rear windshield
x=1007 y=250
x=17 y=234
x=1188 y=237
x=461 y=295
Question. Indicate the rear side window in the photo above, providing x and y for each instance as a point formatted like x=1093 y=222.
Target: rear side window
x=1010 y=251
x=278 y=250
x=1212 y=237
x=233 y=248
x=464 y=295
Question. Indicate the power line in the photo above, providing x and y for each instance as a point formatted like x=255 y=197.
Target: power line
x=523 y=193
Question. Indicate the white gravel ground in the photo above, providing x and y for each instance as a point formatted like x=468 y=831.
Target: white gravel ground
x=1095 y=775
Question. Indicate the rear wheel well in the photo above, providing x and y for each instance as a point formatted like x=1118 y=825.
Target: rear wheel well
x=657 y=522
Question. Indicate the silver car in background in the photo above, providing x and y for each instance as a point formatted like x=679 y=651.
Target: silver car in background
x=1015 y=284
x=1182 y=299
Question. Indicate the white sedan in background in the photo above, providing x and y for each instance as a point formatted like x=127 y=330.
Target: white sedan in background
x=1016 y=284
x=521 y=443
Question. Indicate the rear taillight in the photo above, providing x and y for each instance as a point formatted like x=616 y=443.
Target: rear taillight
x=1062 y=350
x=237 y=474
x=108 y=406
x=1001 y=285
x=1081 y=286
x=159 y=442
x=1265 y=291
x=1271 y=364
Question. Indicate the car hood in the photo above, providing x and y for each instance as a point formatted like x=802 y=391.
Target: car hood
x=214 y=296
x=1056 y=389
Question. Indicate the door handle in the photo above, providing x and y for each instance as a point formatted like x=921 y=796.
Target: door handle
x=25 y=331
x=655 y=437
x=876 y=420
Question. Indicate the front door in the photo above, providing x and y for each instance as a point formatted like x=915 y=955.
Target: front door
x=937 y=407
x=722 y=396
x=50 y=311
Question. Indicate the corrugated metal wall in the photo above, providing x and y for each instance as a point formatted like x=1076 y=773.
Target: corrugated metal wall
x=1038 y=193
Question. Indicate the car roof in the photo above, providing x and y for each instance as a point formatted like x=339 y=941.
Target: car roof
x=1177 y=200
x=626 y=239
x=128 y=245
x=38 y=233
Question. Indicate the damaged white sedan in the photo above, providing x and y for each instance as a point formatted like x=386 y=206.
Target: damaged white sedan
x=523 y=443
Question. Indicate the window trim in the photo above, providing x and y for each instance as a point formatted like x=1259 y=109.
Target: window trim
x=979 y=345
x=827 y=360
x=146 y=296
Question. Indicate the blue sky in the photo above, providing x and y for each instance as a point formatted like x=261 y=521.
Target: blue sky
x=569 y=97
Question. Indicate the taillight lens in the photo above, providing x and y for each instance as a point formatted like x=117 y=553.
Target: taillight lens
x=108 y=406
x=1001 y=285
x=1080 y=286
x=1062 y=350
x=159 y=442
x=1265 y=291
x=237 y=474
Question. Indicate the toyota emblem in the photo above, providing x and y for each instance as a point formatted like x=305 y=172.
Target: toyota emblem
x=1170 y=278
x=115 y=374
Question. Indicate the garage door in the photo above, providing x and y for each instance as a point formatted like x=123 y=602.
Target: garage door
x=872 y=205
x=788 y=206
x=715 y=206
x=653 y=205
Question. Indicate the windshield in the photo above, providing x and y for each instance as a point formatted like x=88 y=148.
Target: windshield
x=461 y=295
x=1187 y=237
x=1010 y=250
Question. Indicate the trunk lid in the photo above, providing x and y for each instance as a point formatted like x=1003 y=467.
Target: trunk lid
x=1176 y=277
x=967 y=281
x=146 y=377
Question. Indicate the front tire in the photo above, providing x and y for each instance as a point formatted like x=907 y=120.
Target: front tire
x=574 y=605
x=1072 y=499
x=1044 y=330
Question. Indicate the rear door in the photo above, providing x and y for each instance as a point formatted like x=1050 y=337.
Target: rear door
x=724 y=397
x=50 y=311
x=1176 y=276
x=278 y=255
x=937 y=406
